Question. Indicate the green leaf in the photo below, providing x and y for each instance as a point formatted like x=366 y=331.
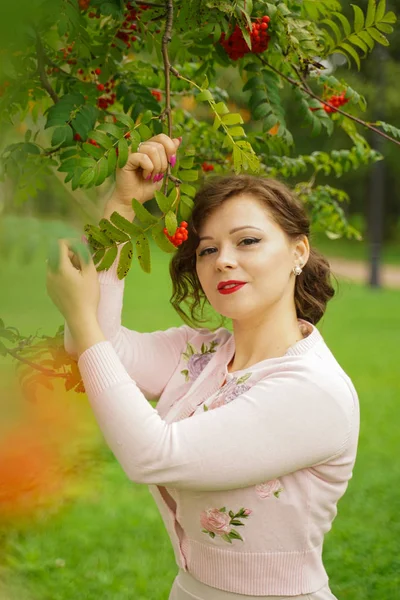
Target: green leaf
x=232 y=119
x=221 y=108
x=345 y=23
x=171 y=222
x=190 y=190
x=59 y=135
x=108 y=259
x=364 y=35
x=101 y=138
x=112 y=129
x=102 y=169
x=87 y=176
x=143 y=252
x=123 y=152
x=237 y=132
x=378 y=36
x=146 y=117
x=124 y=224
x=189 y=175
x=142 y=213
x=161 y=239
x=352 y=53
x=93 y=150
x=125 y=120
x=112 y=232
x=125 y=260
x=384 y=27
x=390 y=17
x=186 y=163
x=262 y=111
x=111 y=161
x=358 y=18
x=204 y=96
x=335 y=29
x=370 y=19
x=97 y=235
x=380 y=10
x=163 y=202
x=98 y=255
x=357 y=41
x=144 y=131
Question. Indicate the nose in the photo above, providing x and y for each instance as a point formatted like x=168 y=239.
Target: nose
x=225 y=259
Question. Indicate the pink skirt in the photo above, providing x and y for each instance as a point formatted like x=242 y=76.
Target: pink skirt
x=186 y=587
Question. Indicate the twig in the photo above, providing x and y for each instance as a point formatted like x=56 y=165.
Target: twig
x=301 y=86
x=167 y=66
x=41 y=70
x=35 y=366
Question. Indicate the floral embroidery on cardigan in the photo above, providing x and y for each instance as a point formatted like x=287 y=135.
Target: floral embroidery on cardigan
x=215 y=521
x=230 y=391
x=265 y=490
x=197 y=361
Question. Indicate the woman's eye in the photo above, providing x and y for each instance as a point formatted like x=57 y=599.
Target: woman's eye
x=252 y=240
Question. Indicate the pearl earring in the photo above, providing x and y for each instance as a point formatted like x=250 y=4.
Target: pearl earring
x=297 y=270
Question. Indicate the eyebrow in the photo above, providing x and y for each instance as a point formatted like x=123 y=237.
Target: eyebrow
x=232 y=231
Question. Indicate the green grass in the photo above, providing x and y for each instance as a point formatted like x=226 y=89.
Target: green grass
x=111 y=538
x=354 y=250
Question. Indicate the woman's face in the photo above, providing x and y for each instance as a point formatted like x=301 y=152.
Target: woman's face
x=259 y=254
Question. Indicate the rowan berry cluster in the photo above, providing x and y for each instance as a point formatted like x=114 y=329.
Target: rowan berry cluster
x=180 y=235
x=157 y=95
x=207 y=167
x=236 y=46
x=125 y=33
x=337 y=101
x=78 y=138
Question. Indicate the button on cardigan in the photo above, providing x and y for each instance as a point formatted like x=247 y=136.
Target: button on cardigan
x=246 y=475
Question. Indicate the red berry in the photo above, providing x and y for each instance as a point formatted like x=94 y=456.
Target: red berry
x=100 y=87
x=97 y=71
x=184 y=224
x=77 y=137
x=127 y=135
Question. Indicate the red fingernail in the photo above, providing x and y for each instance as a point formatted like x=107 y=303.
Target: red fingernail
x=148 y=178
x=172 y=160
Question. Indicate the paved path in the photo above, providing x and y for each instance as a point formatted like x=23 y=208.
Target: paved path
x=360 y=271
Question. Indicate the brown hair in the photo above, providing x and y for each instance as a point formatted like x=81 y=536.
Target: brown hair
x=313 y=288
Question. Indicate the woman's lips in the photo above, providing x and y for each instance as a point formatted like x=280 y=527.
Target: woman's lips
x=230 y=290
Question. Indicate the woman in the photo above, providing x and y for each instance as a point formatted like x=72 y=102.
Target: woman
x=255 y=434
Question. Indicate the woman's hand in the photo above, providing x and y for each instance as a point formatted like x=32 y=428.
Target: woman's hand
x=74 y=288
x=142 y=175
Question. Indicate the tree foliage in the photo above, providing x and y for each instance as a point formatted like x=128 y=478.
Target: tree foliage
x=96 y=77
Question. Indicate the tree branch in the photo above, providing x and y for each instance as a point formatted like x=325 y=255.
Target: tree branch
x=35 y=366
x=42 y=72
x=167 y=66
x=308 y=91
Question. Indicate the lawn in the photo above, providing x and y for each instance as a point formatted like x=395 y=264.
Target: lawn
x=109 y=543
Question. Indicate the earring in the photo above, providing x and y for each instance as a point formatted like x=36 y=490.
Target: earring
x=297 y=270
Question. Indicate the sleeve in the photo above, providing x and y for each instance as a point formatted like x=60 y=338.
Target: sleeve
x=149 y=358
x=288 y=421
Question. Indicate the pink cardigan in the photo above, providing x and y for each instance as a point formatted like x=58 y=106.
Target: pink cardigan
x=246 y=476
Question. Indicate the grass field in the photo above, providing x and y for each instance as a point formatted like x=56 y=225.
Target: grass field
x=109 y=543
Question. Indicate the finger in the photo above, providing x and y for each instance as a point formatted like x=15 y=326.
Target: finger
x=170 y=145
x=163 y=159
x=137 y=160
x=151 y=149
